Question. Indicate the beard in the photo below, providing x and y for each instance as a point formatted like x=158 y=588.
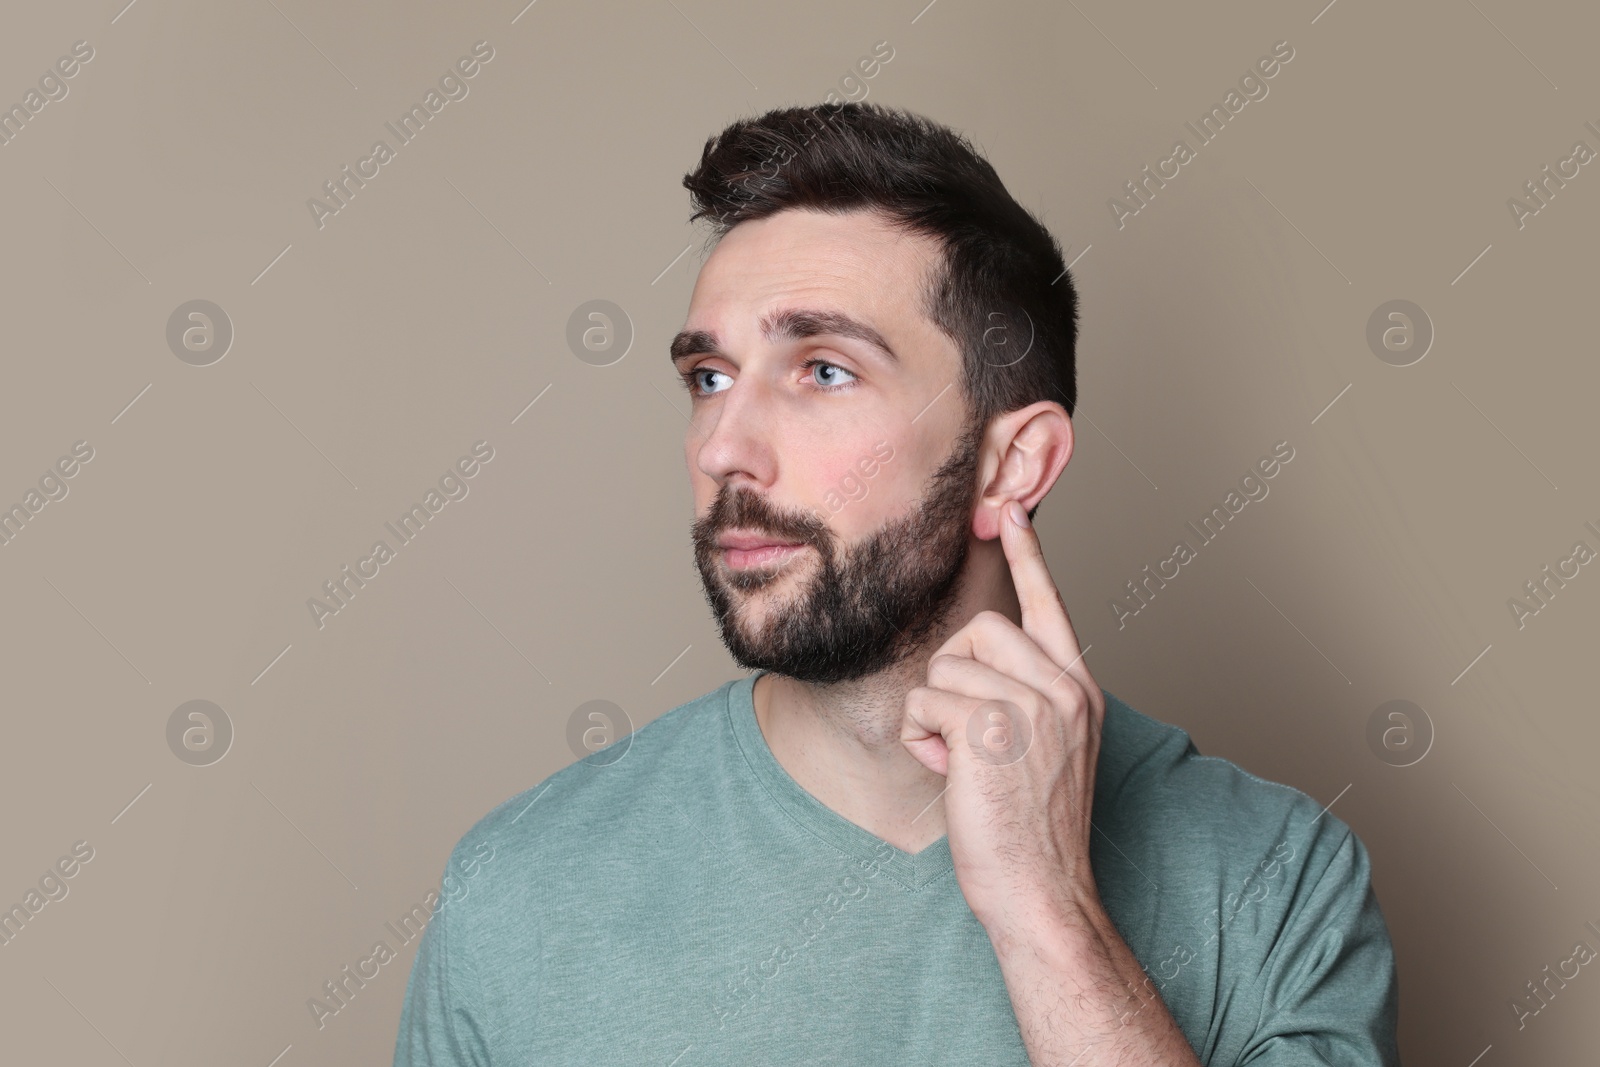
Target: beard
x=866 y=606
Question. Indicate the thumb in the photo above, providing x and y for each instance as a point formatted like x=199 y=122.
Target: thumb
x=931 y=752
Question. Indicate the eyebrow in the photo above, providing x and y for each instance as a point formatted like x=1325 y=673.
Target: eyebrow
x=789 y=324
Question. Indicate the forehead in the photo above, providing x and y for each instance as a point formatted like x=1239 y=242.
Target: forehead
x=854 y=261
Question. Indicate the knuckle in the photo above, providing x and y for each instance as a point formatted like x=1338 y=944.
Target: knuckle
x=989 y=619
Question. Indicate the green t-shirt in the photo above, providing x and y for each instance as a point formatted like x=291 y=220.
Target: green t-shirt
x=688 y=904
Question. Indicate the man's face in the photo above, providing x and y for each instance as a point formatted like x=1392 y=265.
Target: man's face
x=849 y=461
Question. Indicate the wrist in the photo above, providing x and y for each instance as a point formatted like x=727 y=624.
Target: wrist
x=1059 y=923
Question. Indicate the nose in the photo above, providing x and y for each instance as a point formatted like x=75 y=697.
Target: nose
x=736 y=435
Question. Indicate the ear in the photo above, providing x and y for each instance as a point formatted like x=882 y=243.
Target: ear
x=1025 y=451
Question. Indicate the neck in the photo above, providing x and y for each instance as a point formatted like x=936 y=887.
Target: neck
x=841 y=742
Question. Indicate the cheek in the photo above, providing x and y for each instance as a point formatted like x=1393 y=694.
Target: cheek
x=858 y=488
x=827 y=486
x=892 y=491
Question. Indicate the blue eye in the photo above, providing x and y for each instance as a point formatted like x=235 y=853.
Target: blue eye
x=691 y=380
x=813 y=363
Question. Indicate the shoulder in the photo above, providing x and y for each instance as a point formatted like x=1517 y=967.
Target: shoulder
x=1251 y=900
x=1161 y=791
x=591 y=808
x=589 y=795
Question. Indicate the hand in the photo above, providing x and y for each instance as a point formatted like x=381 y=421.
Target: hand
x=1011 y=717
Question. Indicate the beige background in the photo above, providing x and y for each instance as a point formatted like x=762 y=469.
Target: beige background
x=369 y=355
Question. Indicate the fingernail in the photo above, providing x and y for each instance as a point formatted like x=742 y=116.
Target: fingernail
x=1019 y=514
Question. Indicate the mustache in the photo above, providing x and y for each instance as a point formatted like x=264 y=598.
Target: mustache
x=745 y=510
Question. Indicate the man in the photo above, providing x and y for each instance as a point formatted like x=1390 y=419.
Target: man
x=920 y=832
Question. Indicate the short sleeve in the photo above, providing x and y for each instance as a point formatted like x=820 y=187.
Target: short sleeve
x=1329 y=992
x=440 y=1025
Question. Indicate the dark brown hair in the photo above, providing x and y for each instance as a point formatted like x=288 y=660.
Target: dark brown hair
x=1003 y=294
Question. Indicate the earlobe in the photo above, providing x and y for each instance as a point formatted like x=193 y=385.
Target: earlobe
x=983 y=524
x=987 y=518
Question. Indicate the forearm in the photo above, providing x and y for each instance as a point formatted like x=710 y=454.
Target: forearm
x=1079 y=994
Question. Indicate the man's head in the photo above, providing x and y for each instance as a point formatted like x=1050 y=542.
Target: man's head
x=874 y=298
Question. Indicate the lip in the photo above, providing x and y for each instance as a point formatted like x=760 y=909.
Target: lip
x=747 y=542
x=750 y=550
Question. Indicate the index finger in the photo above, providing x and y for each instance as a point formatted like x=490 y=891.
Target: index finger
x=1044 y=614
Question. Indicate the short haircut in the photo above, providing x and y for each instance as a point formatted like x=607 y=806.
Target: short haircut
x=1003 y=295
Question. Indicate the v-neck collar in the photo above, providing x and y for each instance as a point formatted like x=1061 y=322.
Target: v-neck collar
x=912 y=870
